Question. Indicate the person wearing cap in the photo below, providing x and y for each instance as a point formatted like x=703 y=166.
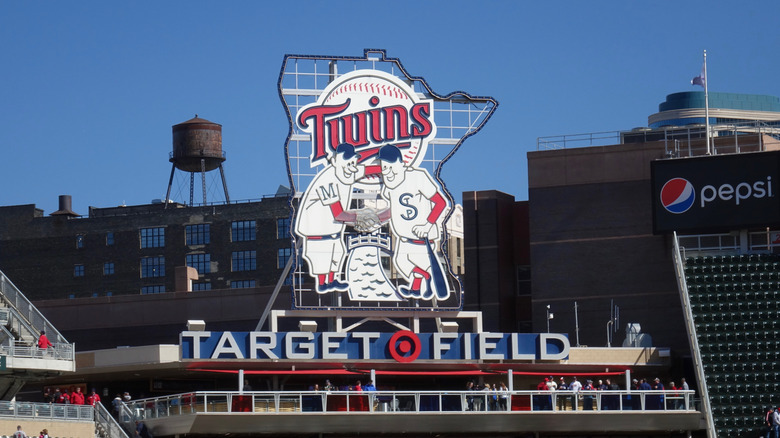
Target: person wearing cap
x=93 y=398
x=323 y=213
x=636 y=403
x=575 y=386
x=417 y=207
x=656 y=402
x=562 y=386
x=540 y=399
x=587 y=399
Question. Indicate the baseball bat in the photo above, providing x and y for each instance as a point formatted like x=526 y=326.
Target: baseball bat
x=437 y=276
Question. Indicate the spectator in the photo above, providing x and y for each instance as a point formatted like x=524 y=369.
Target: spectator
x=19 y=433
x=644 y=386
x=93 y=398
x=493 y=397
x=655 y=402
x=587 y=398
x=369 y=386
x=126 y=397
x=77 y=397
x=44 y=433
x=117 y=405
x=141 y=430
x=503 y=396
x=329 y=386
x=469 y=398
x=575 y=386
x=543 y=401
x=43 y=341
x=562 y=386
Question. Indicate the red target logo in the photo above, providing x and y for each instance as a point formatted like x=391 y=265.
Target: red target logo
x=404 y=346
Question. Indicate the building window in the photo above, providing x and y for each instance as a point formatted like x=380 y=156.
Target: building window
x=243 y=231
x=154 y=289
x=80 y=241
x=197 y=234
x=283 y=228
x=242 y=284
x=152 y=237
x=201 y=262
x=203 y=285
x=283 y=255
x=244 y=261
x=110 y=238
x=108 y=268
x=78 y=270
x=153 y=267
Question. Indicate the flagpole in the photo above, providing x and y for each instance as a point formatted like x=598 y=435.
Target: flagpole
x=707 y=106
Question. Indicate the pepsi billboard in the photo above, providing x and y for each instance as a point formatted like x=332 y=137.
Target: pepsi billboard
x=716 y=193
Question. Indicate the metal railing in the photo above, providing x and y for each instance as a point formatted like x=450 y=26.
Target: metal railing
x=679 y=141
x=471 y=402
x=21 y=349
x=47 y=411
x=30 y=317
x=106 y=425
x=578 y=140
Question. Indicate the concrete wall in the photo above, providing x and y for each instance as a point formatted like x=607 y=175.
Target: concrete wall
x=592 y=243
x=57 y=429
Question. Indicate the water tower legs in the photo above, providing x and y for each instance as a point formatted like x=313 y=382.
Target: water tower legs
x=224 y=183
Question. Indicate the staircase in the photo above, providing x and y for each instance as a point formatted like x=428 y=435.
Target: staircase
x=20 y=358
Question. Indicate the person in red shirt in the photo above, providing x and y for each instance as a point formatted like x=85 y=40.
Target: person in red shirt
x=77 y=397
x=43 y=341
x=63 y=397
x=93 y=398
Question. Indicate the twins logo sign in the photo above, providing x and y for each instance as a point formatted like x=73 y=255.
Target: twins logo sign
x=370 y=132
x=369 y=210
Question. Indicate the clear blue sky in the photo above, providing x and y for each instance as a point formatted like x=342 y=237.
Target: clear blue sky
x=89 y=90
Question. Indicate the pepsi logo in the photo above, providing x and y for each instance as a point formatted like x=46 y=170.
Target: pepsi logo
x=678 y=195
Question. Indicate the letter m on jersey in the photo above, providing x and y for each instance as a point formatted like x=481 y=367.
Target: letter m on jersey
x=327 y=192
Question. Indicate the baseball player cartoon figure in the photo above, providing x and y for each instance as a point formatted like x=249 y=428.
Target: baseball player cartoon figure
x=416 y=212
x=329 y=196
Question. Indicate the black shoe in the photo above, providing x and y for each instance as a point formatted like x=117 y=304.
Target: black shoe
x=408 y=292
x=337 y=285
x=428 y=294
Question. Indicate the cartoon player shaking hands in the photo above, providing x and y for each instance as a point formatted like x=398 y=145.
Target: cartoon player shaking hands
x=329 y=196
x=416 y=212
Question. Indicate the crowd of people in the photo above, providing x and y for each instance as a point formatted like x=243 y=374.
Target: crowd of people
x=495 y=399
x=20 y=433
x=73 y=396
x=580 y=394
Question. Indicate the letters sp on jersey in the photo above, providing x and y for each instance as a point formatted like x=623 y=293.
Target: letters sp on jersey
x=359 y=346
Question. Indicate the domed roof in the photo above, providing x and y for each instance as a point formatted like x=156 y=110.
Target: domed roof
x=197 y=121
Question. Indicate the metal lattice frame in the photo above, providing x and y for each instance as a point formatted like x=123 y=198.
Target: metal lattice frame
x=457 y=116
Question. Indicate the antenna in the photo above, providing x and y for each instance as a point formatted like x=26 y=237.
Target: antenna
x=576 y=324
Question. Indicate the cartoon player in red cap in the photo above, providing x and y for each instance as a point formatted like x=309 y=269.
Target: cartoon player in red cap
x=328 y=196
x=416 y=212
